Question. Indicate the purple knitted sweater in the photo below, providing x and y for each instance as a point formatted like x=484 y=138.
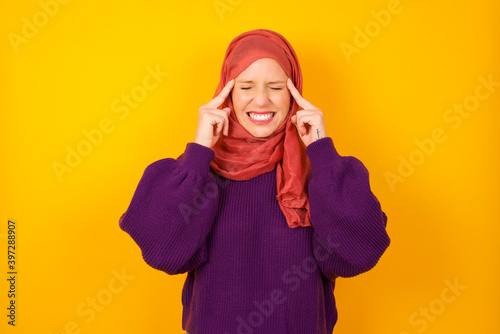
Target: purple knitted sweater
x=247 y=271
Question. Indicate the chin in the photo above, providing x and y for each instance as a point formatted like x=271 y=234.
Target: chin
x=260 y=133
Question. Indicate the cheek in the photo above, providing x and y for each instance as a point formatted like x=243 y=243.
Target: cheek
x=284 y=102
x=239 y=101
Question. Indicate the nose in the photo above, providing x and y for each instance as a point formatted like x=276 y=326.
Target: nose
x=261 y=97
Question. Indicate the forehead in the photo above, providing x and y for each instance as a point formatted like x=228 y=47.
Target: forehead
x=268 y=82
x=263 y=69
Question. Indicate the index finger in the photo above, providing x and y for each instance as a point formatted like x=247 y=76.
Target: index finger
x=296 y=95
x=219 y=99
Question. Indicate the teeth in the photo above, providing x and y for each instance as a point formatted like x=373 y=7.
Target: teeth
x=261 y=117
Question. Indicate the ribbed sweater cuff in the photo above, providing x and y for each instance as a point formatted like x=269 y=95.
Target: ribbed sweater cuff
x=322 y=152
x=198 y=157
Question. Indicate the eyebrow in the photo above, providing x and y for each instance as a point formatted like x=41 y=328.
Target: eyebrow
x=269 y=82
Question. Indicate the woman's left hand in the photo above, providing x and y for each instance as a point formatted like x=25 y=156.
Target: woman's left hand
x=309 y=121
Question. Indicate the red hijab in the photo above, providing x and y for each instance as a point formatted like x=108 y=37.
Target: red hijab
x=241 y=156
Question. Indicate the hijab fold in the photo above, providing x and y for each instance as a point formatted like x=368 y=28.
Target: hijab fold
x=241 y=156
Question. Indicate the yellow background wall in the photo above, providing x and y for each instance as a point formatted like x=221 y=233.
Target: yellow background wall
x=385 y=88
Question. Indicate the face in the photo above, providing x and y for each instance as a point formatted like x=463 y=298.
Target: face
x=261 y=98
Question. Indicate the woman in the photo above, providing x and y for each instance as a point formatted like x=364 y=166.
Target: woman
x=260 y=210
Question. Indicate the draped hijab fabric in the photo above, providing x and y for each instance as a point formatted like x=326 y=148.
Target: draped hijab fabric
x=241 y=156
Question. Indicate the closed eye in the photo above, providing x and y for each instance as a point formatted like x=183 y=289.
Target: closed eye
x=273 y=88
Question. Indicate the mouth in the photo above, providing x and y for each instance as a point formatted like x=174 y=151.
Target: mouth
x=261 y=117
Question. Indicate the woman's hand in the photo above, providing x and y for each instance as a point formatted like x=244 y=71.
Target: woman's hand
x=212 y=121
x=309 y=121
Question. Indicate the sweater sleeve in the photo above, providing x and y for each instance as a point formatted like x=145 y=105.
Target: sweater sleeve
x=173 y=209
x=349 y=225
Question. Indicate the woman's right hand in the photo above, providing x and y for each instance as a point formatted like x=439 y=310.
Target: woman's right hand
x=212 y=121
